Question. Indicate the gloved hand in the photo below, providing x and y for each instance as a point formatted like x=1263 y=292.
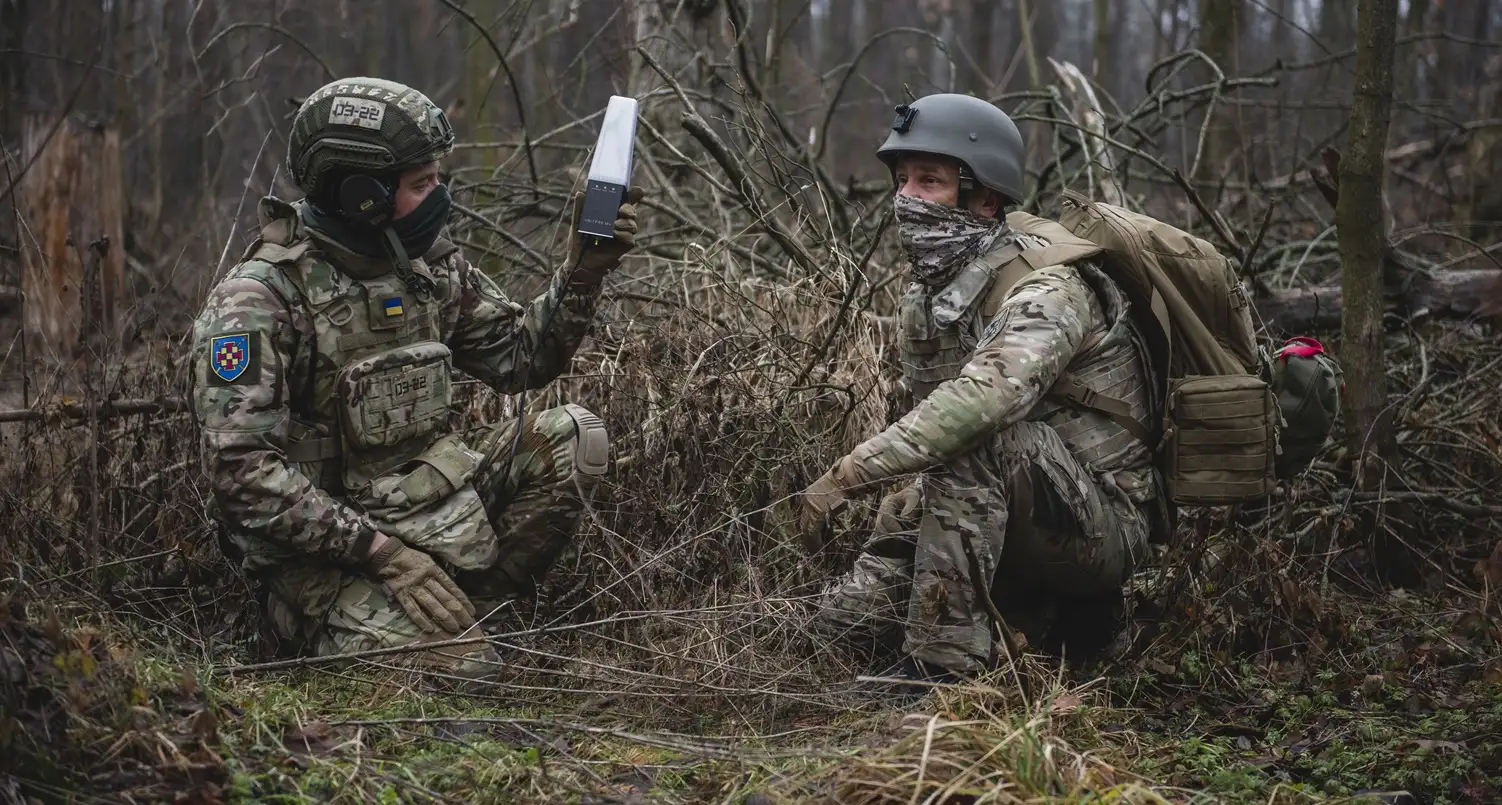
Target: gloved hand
x=592 y=262
x=823 y=498
x=896 y=509
x=429 y=597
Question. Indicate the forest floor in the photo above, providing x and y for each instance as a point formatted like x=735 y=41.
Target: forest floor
x=1407 y=702
x=668 y=658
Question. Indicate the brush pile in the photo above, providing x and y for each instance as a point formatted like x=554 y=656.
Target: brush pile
x=75 y=717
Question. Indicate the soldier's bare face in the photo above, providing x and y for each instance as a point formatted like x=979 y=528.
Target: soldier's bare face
x=933 y=179
x=936 y=179
x=413 y=186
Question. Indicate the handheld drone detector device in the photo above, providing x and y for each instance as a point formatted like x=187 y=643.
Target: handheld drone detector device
x=610 y=170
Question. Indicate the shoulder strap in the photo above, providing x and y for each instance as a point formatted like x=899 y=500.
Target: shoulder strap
x=1021 y=262
x=1006 y=279
x=1071 y=388
x=1064 y=248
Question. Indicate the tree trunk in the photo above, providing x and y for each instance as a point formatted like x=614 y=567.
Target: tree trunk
x=1039 y=34
x=1087 y=111
x=939 y=61
x=648 y=25
x=12 y=65
x=73 y=190
x=1102 y=52
x=1414 y=24
x=1161 y=45
x=1480 y=198
x=1335 y=35
x=1219 y=24
x=1363 y=240
x=983 y=48
x=1027 y=17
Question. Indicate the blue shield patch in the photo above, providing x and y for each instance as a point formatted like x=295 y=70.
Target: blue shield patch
x=229 y=356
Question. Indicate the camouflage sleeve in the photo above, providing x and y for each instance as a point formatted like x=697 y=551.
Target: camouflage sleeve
x=243 y=340
x=1034 y=335
x=495 y=338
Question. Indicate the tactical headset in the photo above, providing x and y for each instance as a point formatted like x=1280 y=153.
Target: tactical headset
x=364 y=199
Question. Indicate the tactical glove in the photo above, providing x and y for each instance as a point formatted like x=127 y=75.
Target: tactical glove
x=429 y=597
x=592 y=261
x=823 y=498
x=894 y=514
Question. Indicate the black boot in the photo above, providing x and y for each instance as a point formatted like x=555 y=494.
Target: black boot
x=1090 y=628
x=911 y=679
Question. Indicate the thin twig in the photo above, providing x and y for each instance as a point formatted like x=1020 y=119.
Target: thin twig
x=1251 y=252
x=71 y=409
x=1441 y=499
x=740 y=179
x=308 y=662
x=328 y=74
x=851 y=284
x=1211 y=217
x=516 y=93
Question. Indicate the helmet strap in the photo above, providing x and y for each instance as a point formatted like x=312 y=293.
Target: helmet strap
x=421 y=286
x=967 y=186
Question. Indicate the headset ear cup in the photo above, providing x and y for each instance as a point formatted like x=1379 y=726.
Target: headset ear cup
x=365 y=199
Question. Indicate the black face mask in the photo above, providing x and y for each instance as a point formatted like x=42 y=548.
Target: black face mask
x=419 y=229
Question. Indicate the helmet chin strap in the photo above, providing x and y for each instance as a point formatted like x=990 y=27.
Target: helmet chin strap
x=420 y=285
x=967 y=186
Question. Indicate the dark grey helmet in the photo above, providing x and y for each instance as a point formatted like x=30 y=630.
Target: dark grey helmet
x=364 y=125
x=963 y=127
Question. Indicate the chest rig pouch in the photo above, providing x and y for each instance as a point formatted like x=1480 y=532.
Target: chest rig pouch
x=393 y=398
x=383 y=385
x=414 y=480
x=940 y=329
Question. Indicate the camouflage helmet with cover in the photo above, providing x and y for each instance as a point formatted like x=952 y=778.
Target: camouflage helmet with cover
x=364 y=125
x=983 y=138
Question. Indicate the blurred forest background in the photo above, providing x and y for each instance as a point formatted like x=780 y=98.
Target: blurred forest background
x=1342 y=638
x=189 y=101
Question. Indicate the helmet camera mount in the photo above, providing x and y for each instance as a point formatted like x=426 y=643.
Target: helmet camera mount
x=904 y=119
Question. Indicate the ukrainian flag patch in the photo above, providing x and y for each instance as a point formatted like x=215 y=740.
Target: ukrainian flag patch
x=393 y=305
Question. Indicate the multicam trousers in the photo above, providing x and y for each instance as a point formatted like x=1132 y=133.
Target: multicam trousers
x=1076 y=540
x=534 y=506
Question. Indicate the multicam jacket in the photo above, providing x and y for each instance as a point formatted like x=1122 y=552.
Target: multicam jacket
x=317 y=372
x=976 y=364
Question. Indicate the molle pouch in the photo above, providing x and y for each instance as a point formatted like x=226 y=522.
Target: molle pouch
x=431 y=504
x=932 y=352
x=394 y=397
x=1220 y=440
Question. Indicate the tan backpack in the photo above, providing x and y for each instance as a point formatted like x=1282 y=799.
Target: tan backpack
x=1217 y=441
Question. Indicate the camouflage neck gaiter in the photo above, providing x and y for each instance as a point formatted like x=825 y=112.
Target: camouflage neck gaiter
x=940 y=240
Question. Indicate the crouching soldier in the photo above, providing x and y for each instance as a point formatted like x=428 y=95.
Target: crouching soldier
x=322 y=369
x=1019 y=495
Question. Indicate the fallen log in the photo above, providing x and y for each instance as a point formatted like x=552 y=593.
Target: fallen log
x=1459 y=294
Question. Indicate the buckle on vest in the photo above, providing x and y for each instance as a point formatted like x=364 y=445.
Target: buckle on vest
x=1083 y=394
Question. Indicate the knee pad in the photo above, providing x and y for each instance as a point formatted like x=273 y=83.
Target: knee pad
x=592 y=452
